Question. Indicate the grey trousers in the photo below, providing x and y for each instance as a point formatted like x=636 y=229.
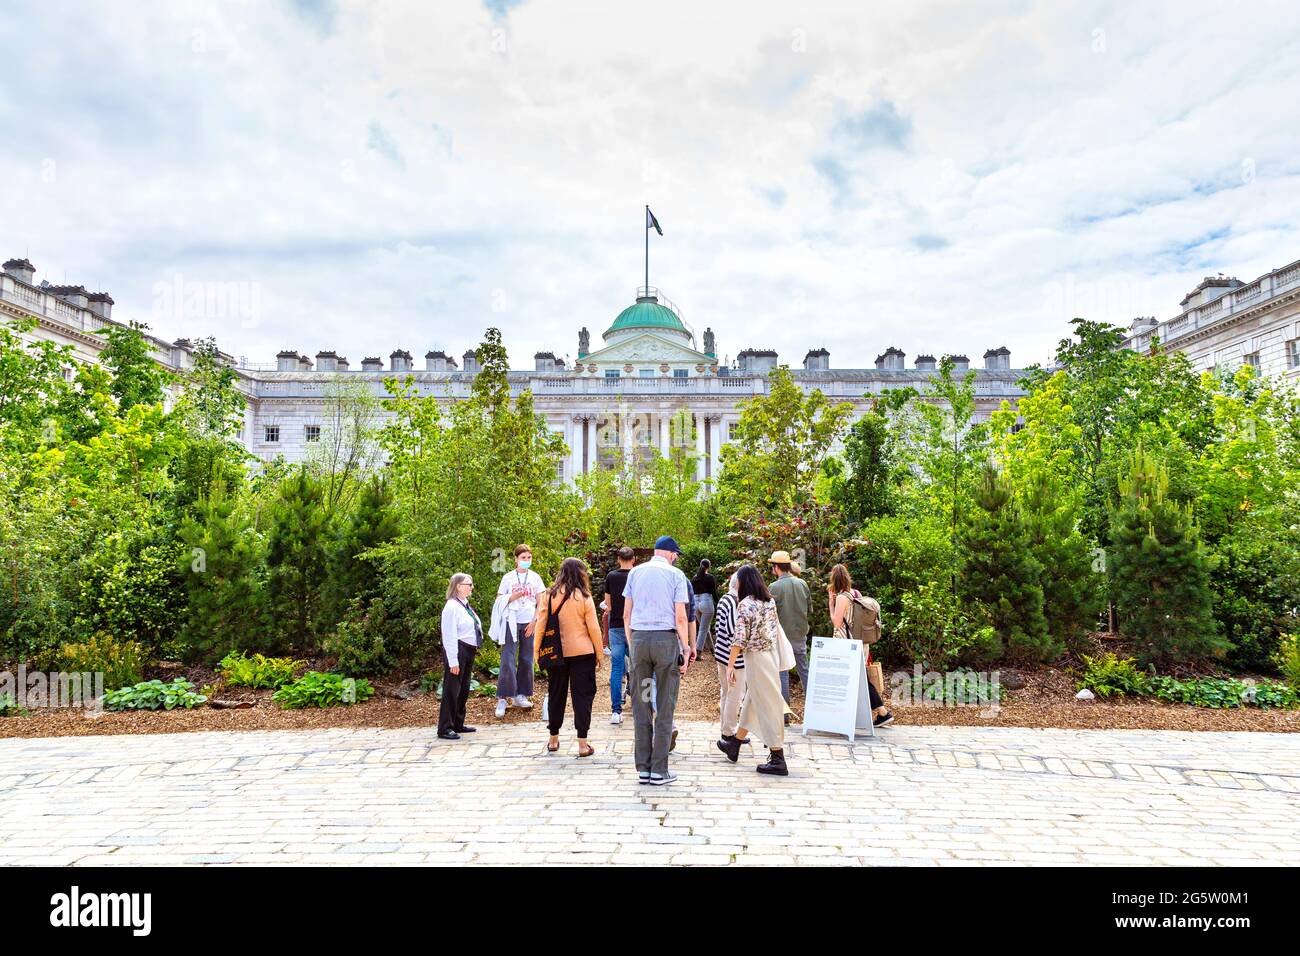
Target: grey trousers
x=800 y=664
x=654 y=656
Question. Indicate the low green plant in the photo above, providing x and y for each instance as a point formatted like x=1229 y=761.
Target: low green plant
x=1273 y=695
x=120 y=662
x=431 y=682
x=9 y=707
x=363 y=641
x=239 y=670
x=314 y=689
x=1224 y=693
x=1110 y=675
x=1287 y=659
x=154 y=695
x=955 y=688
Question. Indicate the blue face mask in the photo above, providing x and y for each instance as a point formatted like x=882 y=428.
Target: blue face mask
x=525 y=564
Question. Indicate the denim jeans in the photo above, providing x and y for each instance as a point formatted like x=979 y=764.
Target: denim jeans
x=516 y=675
x=704 y=609
x=620 y=661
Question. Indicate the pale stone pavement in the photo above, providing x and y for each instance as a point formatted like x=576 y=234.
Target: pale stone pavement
x=915 y=796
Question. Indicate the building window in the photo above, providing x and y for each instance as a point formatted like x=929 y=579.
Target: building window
x=313 y=433
x=681 y=372
x=272 y=433
x=1252 y=360
x=1293 y=354
x=611 y=373
x=646 y=372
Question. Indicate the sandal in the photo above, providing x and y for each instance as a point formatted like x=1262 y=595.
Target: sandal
x=552 y=749
x=588 y=752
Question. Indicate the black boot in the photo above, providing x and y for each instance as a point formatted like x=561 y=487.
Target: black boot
x=775 y=764
x=730 y=746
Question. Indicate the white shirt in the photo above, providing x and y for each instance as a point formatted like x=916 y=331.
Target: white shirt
x=457 y=628
x=522 y=608
x=655 y=588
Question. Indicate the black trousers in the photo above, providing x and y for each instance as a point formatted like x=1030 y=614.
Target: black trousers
x=577 y=675
x=455 y=688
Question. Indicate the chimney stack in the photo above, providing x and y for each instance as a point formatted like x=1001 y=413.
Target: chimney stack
x=372 y=363
x=998 y=358
x=817 y=360
x=471 y=361
x=22 y=270
x=286 y=361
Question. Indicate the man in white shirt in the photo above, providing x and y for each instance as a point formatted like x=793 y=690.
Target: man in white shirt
x=523 y=586
x=654 y=613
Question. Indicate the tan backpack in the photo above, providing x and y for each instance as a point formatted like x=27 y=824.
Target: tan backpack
x=864 y=619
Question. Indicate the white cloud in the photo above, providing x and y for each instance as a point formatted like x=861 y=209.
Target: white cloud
x=933 y=177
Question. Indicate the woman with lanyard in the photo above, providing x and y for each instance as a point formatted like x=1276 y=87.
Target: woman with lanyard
x=462 y=634
x=521 y=586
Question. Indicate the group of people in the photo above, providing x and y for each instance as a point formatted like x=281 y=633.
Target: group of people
x=654 y=624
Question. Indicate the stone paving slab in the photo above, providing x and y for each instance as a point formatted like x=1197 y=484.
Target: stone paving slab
x=913 y=796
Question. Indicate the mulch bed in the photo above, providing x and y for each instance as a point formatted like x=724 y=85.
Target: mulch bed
x=1045 y=700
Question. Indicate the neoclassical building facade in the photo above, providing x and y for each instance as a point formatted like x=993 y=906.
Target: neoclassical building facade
x=647 y=385
x=1225 y=323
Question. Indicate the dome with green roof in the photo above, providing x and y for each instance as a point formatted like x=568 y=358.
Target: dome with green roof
x=649 y=312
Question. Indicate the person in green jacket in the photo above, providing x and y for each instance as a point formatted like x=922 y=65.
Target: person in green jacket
x=792 y=603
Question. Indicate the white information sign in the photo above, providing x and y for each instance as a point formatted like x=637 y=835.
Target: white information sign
x=837 y=699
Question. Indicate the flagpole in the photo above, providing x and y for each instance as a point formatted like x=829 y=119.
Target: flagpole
x=647 y=248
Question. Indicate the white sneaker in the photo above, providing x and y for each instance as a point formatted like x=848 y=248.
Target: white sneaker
x=501 y=708
x=616 y=718
x=522 y=701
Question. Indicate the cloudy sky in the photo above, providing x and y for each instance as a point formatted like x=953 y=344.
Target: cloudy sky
x=364 y=176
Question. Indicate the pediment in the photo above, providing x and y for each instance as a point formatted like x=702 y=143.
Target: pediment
x=647 y=347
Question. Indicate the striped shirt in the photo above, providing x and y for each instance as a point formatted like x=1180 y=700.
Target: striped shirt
x=724 y=628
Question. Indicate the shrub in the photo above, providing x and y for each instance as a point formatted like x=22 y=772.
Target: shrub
x=1287 y=659
x=1109 y=675
x=315 y=689
x=119 y=661
x=1160 y=571
x=9 y=707
x=364 y=642
x=934 y=631
x=892 y=556
x=154 y=695
x=239 y=670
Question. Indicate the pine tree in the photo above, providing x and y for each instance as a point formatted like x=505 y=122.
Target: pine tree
x=1160 y=572
x=296 y=559
x=350 y=576
x=223 y=573
x=1000 y=572
x=1071 y=576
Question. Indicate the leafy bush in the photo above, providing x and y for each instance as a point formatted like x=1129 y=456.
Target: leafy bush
x=239 y=670
x=957 y=687
x=1109 y=675
x=1223 y=693
x=119 y=661
x=154 y=695
x=364 y=640
x=1288 y=659
x=315 y=689
x=934 y=630
x=9 y=707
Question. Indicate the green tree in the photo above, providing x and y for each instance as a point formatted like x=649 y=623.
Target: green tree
x=1000 y=573
x=868 y=486
x=137 y=379
x=1160 y=571
x=353 y=573
x=1071 y=577
x=778 y=446
x=223 y=570
x=295 y=559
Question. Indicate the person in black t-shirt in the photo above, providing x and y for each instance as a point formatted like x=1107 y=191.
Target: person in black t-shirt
x=706 y=597
x=616 y=638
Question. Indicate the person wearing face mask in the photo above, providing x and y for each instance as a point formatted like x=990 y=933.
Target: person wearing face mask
x=519 y=590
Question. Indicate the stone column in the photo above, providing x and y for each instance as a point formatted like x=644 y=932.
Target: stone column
x=588 y=444
x=701 y=453
x=715 y=437
x=665 y=433
x=574 y=437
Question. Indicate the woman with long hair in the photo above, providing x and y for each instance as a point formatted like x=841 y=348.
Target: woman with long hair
x=706 y=597
x=757 y=631
x=570 y=603
x=842 y=592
